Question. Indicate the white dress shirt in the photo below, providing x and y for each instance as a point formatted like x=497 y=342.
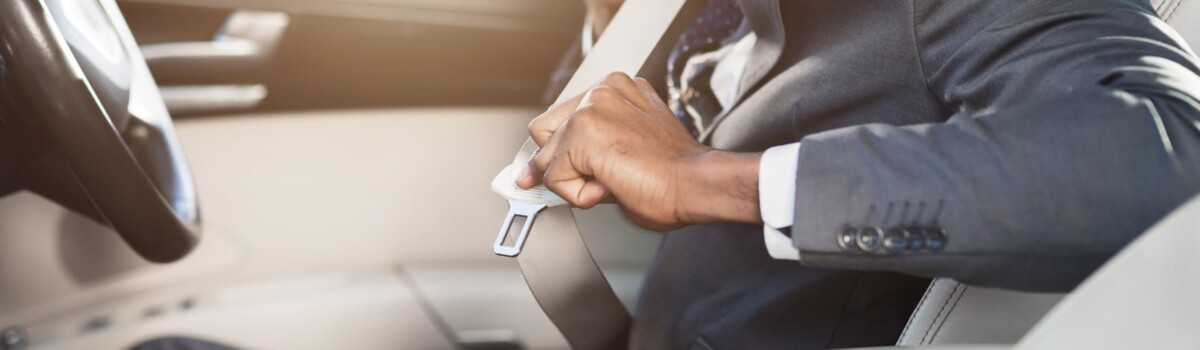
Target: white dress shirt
x=776 y=169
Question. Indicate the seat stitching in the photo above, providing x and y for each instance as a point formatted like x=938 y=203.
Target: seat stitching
x=912 y=319
x=939 y=320
x=939 y=314
x=1159 y=6
x=1171 y=12
x=948 y=312
x=936 y=316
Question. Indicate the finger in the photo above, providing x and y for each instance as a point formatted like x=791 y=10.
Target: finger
x=628 y=88
x=607 y=197
x=535 y=170
x=546 y=124
x=648 y=92
x=563 y=179
x=542 y=127
x=592 y=193
x=619 y=80
x=529 y=176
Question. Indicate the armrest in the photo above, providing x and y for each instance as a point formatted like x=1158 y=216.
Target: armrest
x=222 y=75
x=243 y=47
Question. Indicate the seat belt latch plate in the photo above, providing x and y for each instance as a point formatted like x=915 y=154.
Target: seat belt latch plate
x=524 y=204
x=516 y=209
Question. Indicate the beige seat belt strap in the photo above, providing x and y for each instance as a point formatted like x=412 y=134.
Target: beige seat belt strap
x=540 y=230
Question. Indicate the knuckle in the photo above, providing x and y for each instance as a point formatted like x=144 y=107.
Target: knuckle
x=601 y=93
x=617 y=77
x=535 y=125
x=644 y=85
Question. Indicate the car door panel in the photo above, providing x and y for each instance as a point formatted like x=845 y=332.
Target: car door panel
x=370 y=54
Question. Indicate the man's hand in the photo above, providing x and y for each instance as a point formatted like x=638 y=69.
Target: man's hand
x=620 y=140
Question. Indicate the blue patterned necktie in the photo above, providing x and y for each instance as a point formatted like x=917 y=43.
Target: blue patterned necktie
x=718 y=21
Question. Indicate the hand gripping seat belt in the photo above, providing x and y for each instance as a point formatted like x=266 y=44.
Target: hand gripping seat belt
x=553 y=257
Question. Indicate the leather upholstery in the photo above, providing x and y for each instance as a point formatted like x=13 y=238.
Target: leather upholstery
x=1183 y=16
x=954 y=313
x=1144 y=298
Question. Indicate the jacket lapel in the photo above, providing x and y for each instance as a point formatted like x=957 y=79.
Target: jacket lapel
x=767 y=22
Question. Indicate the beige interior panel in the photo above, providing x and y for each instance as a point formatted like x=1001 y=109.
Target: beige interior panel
x=53 y=262
x=290 y=196
x=374 y=311
x=371 y=187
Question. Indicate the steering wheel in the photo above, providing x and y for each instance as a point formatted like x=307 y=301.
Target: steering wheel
x=72 y=73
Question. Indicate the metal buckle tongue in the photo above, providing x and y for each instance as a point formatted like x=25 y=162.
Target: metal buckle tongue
x=521 y=203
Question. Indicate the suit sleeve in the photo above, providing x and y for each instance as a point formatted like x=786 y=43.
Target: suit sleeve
x=1076 y=127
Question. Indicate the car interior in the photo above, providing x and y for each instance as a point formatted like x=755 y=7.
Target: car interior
x=298 y=188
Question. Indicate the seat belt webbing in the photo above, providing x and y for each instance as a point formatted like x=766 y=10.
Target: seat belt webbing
x=555 y=261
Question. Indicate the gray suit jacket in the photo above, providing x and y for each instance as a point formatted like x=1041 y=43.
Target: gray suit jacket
x=1039 y=136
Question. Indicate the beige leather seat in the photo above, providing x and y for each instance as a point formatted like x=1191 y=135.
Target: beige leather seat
x=1142 y=298
x=954 y=313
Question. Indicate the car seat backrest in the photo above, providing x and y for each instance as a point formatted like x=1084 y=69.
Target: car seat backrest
x=1183 y=16
x=954 y=313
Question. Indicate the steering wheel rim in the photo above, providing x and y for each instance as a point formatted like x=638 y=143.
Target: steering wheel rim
x=126 y=159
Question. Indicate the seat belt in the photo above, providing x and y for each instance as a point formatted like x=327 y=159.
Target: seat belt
x=553 y=257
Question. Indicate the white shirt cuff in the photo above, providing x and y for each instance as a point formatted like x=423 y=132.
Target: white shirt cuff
x=588 y=41
x=776 y=198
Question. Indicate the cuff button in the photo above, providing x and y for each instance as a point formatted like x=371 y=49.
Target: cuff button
x=916 y=239
x=846 y=240
x=935 y=238
x=869 y=239
x=895 y=240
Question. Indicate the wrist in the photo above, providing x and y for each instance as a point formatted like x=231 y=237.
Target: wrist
x=718 y=186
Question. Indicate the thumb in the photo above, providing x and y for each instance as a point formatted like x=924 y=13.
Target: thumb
x=567 y=181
